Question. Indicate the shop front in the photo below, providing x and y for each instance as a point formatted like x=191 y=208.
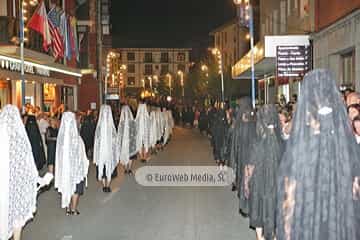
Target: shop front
x=47 y=84
x=270 y=86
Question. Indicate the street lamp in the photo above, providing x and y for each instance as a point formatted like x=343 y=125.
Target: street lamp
x=181 y=74
x=244 y=8
x=150 y=82
x=204 y=68
x=111 y=55
x=169 y=76
x=218 y=56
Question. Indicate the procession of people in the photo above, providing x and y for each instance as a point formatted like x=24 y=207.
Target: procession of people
x=297 y=172
x=297 y=169
x=67 y=143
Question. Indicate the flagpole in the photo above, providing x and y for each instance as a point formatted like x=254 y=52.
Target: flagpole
x=64 y=9
x=22 y=75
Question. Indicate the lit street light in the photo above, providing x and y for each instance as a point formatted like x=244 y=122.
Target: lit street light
x=169 y=76
x=218 y=56
x=181 y=74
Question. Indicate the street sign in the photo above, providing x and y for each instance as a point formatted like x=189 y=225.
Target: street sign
x=293 y=61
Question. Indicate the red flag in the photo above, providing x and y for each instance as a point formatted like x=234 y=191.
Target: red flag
x=39 y=23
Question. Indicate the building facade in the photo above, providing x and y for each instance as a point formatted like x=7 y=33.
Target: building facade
x=337 y=40
x=233 y=42
x=147 y=67
x=276 y=18
x=50 y=82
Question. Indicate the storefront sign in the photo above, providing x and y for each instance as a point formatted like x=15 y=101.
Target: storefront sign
x=16 y=67
x=293 y=61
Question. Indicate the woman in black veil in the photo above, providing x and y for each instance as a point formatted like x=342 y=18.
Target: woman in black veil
x=260 y=184
x=219 y=133
x=36 y=142
x=244 y=133
x=318 y=183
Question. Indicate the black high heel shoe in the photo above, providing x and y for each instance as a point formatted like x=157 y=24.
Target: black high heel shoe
x=75 y=212
x=67 y=211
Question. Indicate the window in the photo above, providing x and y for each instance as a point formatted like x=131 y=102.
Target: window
x=181 y=57
x=225 y=37
x=165 y=57
x=148 y=69
x=282 y=17
x=288 y=7
x=164 y=69
x=181 y=67
x=131 y=68
x=131 y=81
x=217 y=40
x=275 y=22
x=131 y=56
x=348 y=69
x=148 y=57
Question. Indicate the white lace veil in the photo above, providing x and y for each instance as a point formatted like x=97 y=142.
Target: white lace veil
x=159 y=130
x=105 y=144
x=126 y=136
x=142 y=126
x=166 y=125
x=71 y=162
x=153 y=129
x=18 y=173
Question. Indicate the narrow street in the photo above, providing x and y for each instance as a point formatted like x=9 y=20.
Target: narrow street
x=133 y=212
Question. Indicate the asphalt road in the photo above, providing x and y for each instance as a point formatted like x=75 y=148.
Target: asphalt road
x=136 y=212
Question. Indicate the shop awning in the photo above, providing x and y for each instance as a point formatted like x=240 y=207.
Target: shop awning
x=264 y=67
x=11 y=52
x=9 y=75
x=265 y=56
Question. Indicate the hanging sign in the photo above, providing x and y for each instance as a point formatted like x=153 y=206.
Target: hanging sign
x=293 y=61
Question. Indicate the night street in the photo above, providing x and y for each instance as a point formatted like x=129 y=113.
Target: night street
x=134 y=212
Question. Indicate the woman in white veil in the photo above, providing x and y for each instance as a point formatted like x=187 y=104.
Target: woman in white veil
x=166 y=126
x=126 y=138
x=153 y=130
x=18 y=175
x=159 y=129
x=71 y=164
x=105 y=147
x=142 y=128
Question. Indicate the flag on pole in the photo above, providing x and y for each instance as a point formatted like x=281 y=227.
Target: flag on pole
x=39 y=23
x=73 y=23
x=64 y=29
x=57 y=41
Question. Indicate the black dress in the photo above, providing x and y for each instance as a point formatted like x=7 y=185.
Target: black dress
x=203 y=121
x=87 y=132
x=264 y=163
x=318 y=188
x=51 y=135
x=36 y=142
x=219 y=134
x=245 y=135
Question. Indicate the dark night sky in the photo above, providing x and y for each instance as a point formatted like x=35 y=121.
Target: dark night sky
x=167 y=23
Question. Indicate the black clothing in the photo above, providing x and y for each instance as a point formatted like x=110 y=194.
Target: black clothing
x=51 y=135
x=36 y=142
x=87 y=132
x=318 y=178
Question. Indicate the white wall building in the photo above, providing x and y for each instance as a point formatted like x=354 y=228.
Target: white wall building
x=143 y=63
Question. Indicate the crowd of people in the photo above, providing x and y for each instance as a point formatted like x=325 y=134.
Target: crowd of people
x=296 y=164
x=64 y=142
x=297 y=168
